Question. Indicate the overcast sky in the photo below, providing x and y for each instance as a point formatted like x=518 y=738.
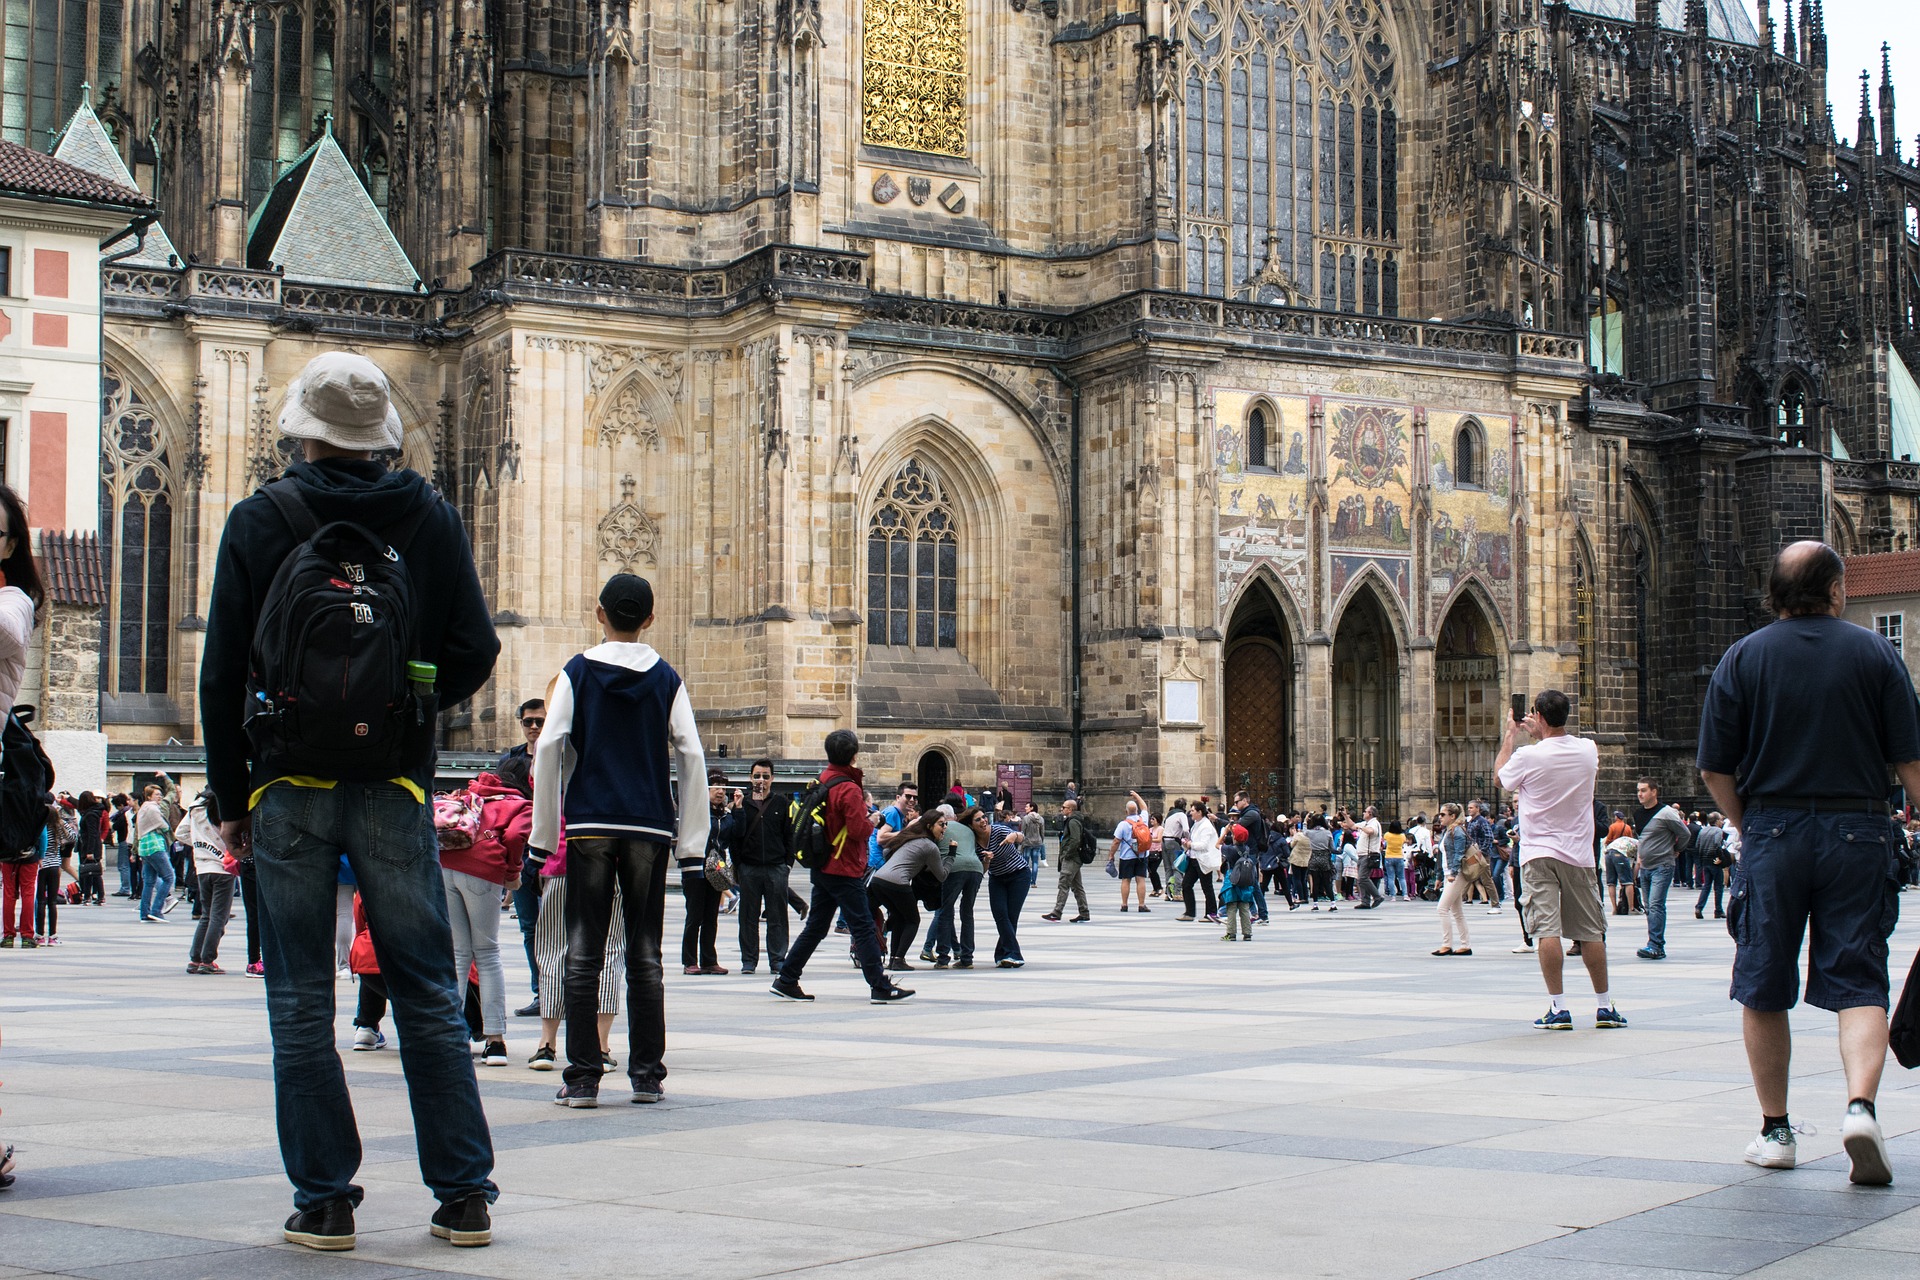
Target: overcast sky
x=1855 y=29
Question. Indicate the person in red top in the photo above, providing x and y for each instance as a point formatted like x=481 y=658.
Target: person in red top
x=841 y=885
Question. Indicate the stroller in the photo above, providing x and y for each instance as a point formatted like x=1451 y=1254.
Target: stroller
x=1426 y=875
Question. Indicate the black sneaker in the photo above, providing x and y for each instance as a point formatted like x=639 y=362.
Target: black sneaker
x=1082 y=918
x=748 y=968
x=788 y=990
x=943 y=963
x=542 y=1059
x=648 y=1091
x=901 y=966
x=530 y=1010
x=891 y=995
x=578 y=1096
x=464 y=1223
x=963 y=964
x=328 y=1227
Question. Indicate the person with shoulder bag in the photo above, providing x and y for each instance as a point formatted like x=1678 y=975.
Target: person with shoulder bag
x=1713 y=858
x=1458 y=853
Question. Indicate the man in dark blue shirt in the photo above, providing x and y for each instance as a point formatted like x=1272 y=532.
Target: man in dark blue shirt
x=1802 y=720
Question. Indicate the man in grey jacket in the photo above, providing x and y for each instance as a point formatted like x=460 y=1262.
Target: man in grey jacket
x=1662 y=835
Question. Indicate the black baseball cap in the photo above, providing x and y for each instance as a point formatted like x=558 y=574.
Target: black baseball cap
x=628 y=600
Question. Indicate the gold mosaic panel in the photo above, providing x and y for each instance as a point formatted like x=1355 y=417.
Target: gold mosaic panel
x=914 y=88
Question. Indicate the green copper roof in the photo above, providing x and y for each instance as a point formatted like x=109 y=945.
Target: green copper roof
x=1904 y=393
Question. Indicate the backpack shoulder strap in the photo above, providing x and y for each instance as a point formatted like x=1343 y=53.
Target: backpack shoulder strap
x=286 y=498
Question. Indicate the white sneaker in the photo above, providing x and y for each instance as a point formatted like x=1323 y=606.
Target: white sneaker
x=1523 y=951
x=1860 y=1135
x=366 y=1038
x=1774 y=1149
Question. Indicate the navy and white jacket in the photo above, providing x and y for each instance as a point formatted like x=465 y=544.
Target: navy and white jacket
x=615 y=714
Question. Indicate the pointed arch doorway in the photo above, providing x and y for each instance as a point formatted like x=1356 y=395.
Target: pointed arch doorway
x=1366 y=706
x=1468 y=707
x=1259 y=701
x=934 y=776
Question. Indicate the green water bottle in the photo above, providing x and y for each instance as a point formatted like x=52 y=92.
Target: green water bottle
x=421 y=677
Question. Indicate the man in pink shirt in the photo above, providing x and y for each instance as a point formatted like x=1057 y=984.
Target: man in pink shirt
x=1552 y=781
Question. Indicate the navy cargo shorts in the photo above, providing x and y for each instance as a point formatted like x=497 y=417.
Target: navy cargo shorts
x=1830 y=877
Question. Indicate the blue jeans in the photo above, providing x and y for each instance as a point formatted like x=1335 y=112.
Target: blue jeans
x=1396 y=883
x=1259 y=898
x=1655 y=883
x=156 y=884
x=1497 y=864
x=299 y=837
x=1006 y=895
x=526 y=909
x=958 y=892
x=124 y=855
x=846 y=895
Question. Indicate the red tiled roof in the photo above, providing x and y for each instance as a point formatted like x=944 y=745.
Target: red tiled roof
x=70 y=564
x=24 y=171
x=1890 y=573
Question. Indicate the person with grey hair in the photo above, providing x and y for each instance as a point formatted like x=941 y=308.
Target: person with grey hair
x=341 y=779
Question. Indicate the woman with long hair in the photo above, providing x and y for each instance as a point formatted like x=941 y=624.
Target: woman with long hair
x=21 y=596
x=1452 y=847
x=921 y=849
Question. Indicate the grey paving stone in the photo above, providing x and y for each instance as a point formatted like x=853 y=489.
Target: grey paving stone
x=1329 y=1148
x=1493 y=1158
x=1690 y=1219
x=1616 y=1243
x=285 y=1262
x=1524 y=1264
x=47 y=1244
x=1828 y=1262
x=1664 y=1170
x=127 y=1175
x=1867 y=1203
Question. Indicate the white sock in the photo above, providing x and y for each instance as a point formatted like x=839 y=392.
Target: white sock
x=1605 y=998
x=1559 y=1003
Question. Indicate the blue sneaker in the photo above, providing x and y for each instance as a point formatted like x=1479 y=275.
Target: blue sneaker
x=1552 y=1021
x=1609 y=1017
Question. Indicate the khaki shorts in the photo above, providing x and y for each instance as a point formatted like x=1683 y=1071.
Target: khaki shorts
x=1561 y=901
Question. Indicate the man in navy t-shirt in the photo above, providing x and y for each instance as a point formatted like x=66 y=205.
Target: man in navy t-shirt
x=1802 y=720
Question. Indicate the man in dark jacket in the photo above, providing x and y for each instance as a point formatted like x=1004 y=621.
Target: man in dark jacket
x=299 y=826
x=762 y=863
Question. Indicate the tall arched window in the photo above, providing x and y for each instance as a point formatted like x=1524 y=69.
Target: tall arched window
x=913 y=556
x=1469 y=456
x=1289 y=144
x=1257 y=435
x=277 y=123
x=136 y=541
x=52 y=47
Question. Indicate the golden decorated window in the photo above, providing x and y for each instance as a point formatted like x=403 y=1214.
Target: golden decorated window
x=914 y=76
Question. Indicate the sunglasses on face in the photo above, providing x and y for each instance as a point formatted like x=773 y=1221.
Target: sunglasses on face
x=533 y=724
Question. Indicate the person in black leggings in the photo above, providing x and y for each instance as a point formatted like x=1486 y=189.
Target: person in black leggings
x=699 y=953
x=247 y=901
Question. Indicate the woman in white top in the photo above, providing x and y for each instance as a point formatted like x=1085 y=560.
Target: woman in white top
x=1203 y=859
x=20 y=598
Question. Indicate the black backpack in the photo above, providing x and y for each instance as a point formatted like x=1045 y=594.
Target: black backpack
x=26 y=789
x=812 y=846
x=327 y=690
x=1244 y=872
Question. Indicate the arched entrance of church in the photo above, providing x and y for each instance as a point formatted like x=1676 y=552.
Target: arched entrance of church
x=1259 y=698
x=1366 y=706
x=935 y=776
x=1467 y=706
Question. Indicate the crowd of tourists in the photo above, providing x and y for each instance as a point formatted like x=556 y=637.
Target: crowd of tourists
x=319 y=804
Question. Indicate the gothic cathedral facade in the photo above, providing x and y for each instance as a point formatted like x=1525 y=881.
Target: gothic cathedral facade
x=1169 y=394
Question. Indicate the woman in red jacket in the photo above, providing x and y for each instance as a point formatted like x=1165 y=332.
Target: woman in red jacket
x=474 y=876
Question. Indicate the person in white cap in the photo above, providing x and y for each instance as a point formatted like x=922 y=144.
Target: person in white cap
x=345 y=612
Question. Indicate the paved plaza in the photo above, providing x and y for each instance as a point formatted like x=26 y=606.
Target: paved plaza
x=1143 y=1100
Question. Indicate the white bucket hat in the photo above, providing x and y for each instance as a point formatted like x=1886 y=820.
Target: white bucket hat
x=343 y=400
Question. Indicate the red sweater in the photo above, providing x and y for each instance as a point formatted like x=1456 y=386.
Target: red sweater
x=847 y=823
x=506 y=818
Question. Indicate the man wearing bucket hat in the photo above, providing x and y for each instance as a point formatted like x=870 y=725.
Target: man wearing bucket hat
x=297 y=801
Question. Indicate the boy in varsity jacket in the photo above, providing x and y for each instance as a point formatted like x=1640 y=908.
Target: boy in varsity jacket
x=616 y=714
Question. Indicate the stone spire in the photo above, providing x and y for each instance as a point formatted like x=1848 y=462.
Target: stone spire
x=1863 y=141
x=1889 y=136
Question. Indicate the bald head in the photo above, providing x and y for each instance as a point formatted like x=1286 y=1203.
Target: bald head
x=1808 y=579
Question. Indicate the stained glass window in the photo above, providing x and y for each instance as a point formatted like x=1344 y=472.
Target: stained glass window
x=282 y=110
x=1296 y=177
x=913 y=563
x=52 y=47
x=136 y=541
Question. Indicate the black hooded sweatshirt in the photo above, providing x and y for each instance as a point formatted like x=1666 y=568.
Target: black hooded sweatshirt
x=454 y=629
